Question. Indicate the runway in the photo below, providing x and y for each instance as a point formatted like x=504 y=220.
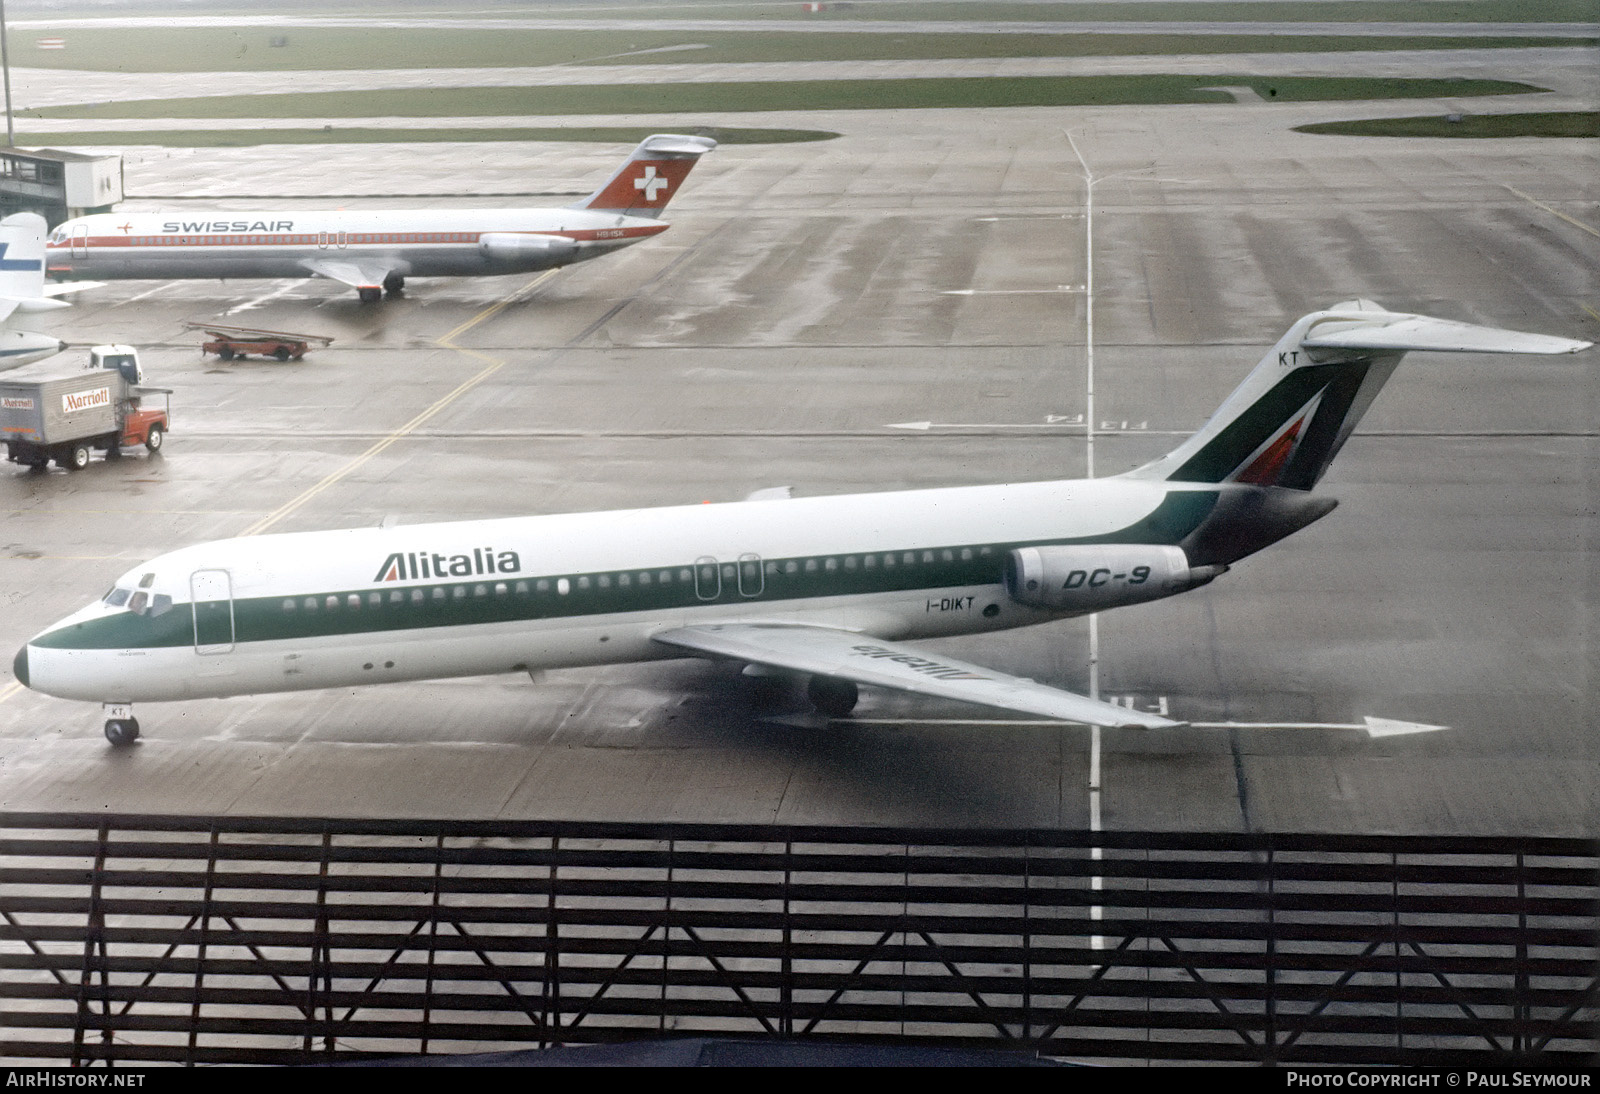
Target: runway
x=924 y=267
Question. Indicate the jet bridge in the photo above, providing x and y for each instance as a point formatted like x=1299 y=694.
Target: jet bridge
x=58 y=185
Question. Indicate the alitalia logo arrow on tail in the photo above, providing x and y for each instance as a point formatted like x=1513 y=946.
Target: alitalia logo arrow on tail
x=423 y=565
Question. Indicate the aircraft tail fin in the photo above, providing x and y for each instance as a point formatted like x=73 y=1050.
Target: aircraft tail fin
x=22 y=265
x=647 y=181
x=1287 y=421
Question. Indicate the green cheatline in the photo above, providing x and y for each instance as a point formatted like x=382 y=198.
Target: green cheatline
x=796 y=95
x=1576 y=123
x=238 y=138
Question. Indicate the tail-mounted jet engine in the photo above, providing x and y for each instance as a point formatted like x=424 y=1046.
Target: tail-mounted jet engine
x=1095 y=577
x=522 y=247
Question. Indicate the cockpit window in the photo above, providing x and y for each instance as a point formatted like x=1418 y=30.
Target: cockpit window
x=142 y=603
x=145 y=580
x=117 y=597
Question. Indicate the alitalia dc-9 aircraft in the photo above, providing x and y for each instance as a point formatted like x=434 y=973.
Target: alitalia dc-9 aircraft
x=376 y=251
x=826 y=588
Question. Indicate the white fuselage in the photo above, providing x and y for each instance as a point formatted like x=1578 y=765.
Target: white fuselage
x=365 y=606
x=421 y=242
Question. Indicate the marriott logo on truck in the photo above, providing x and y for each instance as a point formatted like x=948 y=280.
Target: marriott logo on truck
x=85 y=400
x=13 y=403
x=418 y=565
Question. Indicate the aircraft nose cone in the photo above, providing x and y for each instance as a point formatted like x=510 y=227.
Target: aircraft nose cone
x=19 y=666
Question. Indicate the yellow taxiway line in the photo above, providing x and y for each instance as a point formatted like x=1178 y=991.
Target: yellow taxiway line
x=1553 y=212
x=446 y=341
x=495 y=364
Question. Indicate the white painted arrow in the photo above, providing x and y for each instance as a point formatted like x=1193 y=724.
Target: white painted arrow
x=1374 y=727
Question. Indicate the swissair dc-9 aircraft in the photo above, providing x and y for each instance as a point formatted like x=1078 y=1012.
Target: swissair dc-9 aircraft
x=829 y=588
x=377 y=251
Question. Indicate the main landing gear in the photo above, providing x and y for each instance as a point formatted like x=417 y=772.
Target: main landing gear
x=122 y=728
x=833 y=696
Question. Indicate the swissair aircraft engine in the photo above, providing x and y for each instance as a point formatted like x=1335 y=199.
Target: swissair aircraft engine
x=521 y=247
x=1092 y=578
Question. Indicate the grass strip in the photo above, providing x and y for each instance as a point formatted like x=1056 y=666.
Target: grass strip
x=798 y=95
x=244 y=138
x=1576 y=123
x=290 y=48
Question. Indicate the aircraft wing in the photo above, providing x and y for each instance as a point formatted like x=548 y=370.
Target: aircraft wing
x=359 y=275
x=830 y=652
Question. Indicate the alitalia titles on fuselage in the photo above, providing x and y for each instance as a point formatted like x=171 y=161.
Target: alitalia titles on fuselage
x=418 y=565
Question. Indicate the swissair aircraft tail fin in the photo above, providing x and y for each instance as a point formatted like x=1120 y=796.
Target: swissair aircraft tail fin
x=1287 y=421
x=643 y=185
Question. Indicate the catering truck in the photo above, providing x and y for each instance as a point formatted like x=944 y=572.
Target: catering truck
x=62 y=412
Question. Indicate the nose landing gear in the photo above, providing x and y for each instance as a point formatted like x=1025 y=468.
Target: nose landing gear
x=122 y=731
x=122 y=728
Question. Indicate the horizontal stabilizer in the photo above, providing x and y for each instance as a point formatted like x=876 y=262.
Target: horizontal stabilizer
x=61 y=288
x=826 y=651
x=1290 y=417
x=35 y=303
x=1390 y=331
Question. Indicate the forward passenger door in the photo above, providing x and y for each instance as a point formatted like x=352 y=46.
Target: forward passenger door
x=211 y=594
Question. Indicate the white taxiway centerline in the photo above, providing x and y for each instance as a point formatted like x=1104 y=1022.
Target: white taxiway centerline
x=1051 y=422
x=273 y=295
x=147 y=292
x=924 y=426
x=1012 y=292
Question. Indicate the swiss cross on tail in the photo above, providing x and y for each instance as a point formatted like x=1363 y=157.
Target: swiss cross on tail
x=650 y=182
x=651 y=176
